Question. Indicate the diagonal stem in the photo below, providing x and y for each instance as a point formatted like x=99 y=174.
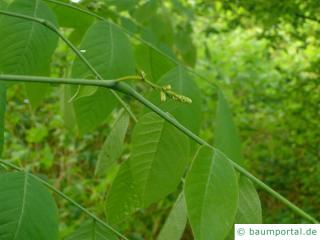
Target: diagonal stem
x=126 y=89
x=74 y=49
x=61 y=194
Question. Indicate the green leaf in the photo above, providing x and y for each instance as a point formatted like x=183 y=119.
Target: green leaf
x=249 y=206
x=28 y=46
x=182 y=83
x=211 y=193
x=159 y=30
x=93 y=110
x=228 y=141
x=152 y=63
x=159 y=157
x=109 y=51
x=144 y=13
x=83 y=91
x=122 y=199
x=66 y=107
x=249 y=211
x=186 y=47
x=67 y=16
x=3 y=4
x=27 y=209
x=226 y=135
x=176 y=221
x=113 y=145
x=92 y=230
x=2 y=113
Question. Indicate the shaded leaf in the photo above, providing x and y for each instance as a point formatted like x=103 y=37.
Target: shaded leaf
x=122 y=199
x=176 y=221
x=93 y=110
x=157 y=163
x=226 y=135
x=66 y=17
x=211 y=193
x=2 y=113
x=83 y=91
x=113 y=145
x=27 y=209
x=182 y=83
x=152 y=63
x=249 y=206
x=109 y=51
x=186 y=47
x=228 y=141
x=31 y=45
x=92 y=230
x=159 y=157
x=249 y=211
x=66 y=107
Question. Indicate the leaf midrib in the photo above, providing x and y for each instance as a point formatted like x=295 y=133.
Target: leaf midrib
x=213 y=161
x=152 y=162
x=25 y=186
x=28 y=40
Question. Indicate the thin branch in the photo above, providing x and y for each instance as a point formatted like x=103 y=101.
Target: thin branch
x=64 y=196
x=50 y=26
x=125 y=88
